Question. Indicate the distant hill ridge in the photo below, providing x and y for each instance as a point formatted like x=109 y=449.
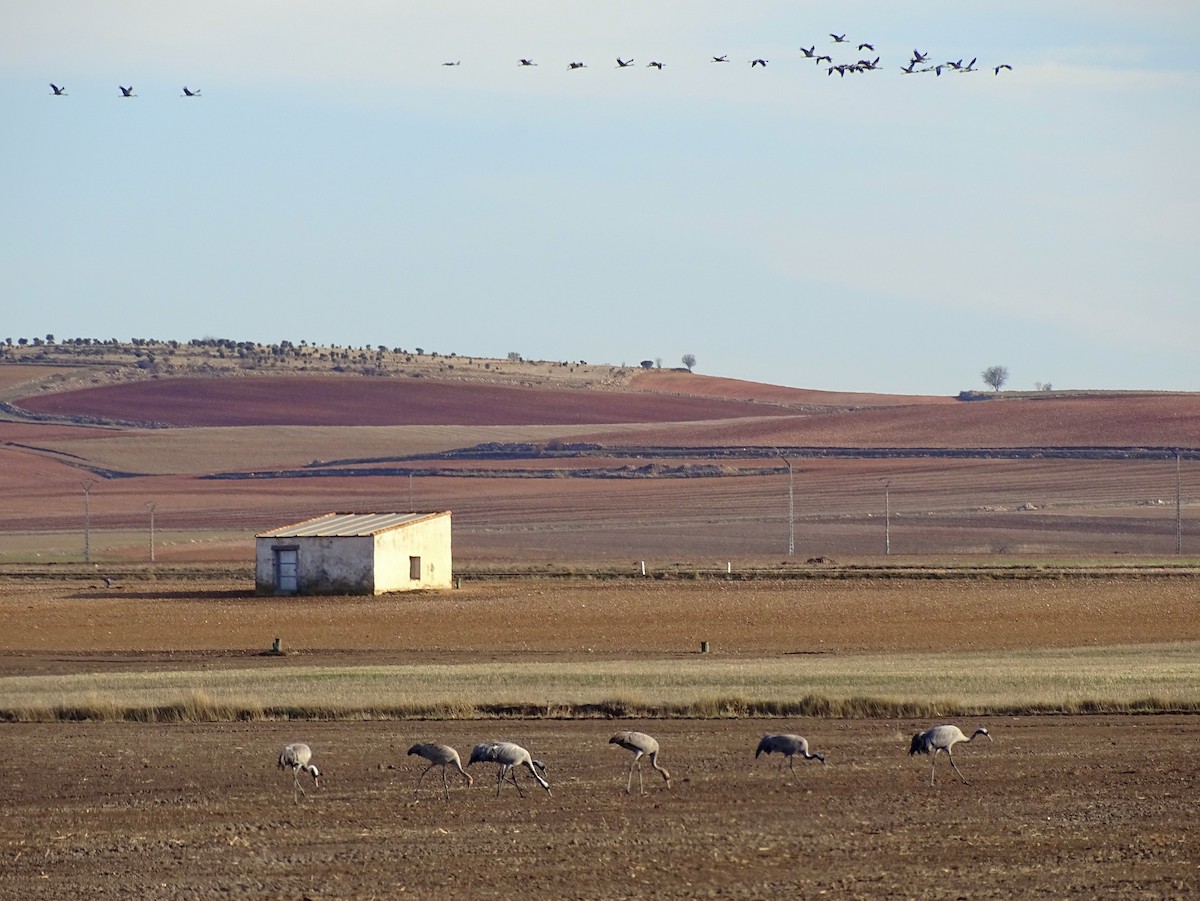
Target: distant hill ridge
x=213 y=383
x=78 y=363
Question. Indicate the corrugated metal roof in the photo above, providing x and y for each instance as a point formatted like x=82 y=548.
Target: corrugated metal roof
x=347 y=525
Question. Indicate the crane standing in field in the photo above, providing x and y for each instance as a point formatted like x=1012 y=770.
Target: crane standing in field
x=439 y=755
x=789 y=746
x=641 y=745
x=296 y=757
x=943 y=738
x=508 y=755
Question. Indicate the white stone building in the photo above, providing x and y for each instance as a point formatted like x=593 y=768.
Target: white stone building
x=355 y=553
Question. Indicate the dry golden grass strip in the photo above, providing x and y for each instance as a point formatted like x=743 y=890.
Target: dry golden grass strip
x=1148 y=678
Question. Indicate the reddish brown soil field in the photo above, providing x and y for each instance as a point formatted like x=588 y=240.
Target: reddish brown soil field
x=1056 y=807
x=26 y=432
x=296 y=400
x=1149 y=420
x=672 y=382
x=937 y=506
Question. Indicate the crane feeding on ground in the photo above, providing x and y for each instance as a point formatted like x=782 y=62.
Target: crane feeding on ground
x=943 y=738
x=508 y=755
x=789 y=746
x=439 y=755
x=642 y=745
x=297 y=756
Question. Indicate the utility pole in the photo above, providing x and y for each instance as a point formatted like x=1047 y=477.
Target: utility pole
x=1178 y=507
x=87 y=519
x=791 y=505
x=150 y=507
x=887 y=516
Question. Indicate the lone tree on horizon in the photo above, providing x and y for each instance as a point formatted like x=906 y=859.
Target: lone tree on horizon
x=995 y=376
x=689 y=360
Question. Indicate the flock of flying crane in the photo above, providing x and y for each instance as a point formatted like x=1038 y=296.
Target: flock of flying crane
x=919 y=59
x=861 y=65
x=297 y=757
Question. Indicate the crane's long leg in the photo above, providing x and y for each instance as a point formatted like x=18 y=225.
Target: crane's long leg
x=417 y=787
x=445 y=783
x=296 y=782
x=629 y=781
x=956 y=769
x=506 y=770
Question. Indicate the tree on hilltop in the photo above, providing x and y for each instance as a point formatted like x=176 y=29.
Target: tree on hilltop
x=689 y=360
x=995 y=376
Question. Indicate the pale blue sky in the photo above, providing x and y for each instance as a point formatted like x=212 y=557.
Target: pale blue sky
x=335 y=183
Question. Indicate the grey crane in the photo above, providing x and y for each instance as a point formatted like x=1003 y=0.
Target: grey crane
x=997 y=69
x=943 y=738
x=509 y=755
x=865 y=46
x=758 y=62
x=439 y=755
x=297 y=756
x=187 y=92
x=838 y=38
x=656 y=64
x=576 y=66
x=526 y=62
x=721 y=59
x=624 y=63
x=641 y=745
x=789 y=746
x=127 y=92
x=457 y=62
x=58 y=92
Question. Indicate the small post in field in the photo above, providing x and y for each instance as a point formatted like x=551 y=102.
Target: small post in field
x=277 y=646
x=704 y=647
x=643 y=567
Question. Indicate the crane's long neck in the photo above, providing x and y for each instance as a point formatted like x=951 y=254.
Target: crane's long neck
x=662 y=769
x=538 y=776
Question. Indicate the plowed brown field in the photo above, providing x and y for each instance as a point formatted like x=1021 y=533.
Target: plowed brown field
x=325 y=401
x=1056 y=807
x=1160 y=421
x=45 y=622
